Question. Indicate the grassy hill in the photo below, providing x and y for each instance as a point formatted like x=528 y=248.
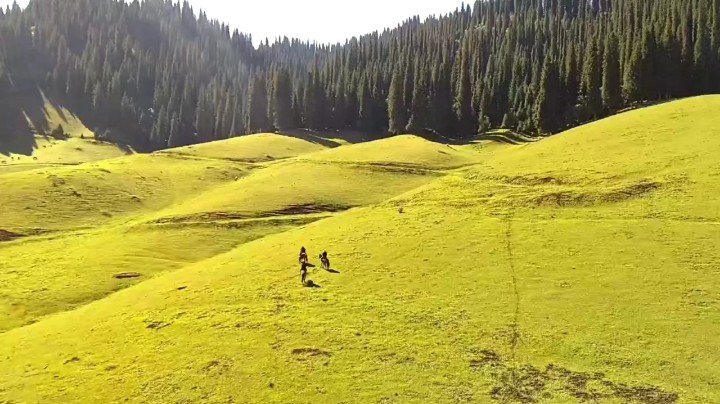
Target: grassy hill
x=583 y=267
x=252 y=148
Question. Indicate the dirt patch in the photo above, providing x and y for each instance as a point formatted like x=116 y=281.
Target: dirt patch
x=306 y=209
x=529 y=384
x=8 y=235
x=486 y=359
x=72 y=360
x=156 y=325
x=528 y=181
x=217 y=366
x=291 y=210
x=311 y=353
x=127 y=275
x=584 y=197
x=56 y=181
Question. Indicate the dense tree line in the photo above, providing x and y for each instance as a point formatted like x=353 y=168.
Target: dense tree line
x=167 y=76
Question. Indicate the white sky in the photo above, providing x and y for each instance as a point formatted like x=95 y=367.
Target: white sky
x=315 y=20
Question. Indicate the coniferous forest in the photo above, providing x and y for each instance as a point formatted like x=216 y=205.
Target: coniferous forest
x=165 y=75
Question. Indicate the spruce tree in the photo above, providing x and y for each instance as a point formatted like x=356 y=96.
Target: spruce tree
x=257 y=106
x=310 y=103
x=418 y=110
x=546 y=111
x=631 y=78
x=396 y=106
x=611 y=86
x=365 y=107
x=282 y=100
x=174 y=139
x=701 y=68
x=463 y=96
x=592 y=80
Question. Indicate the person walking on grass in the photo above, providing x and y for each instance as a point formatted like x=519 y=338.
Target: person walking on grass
x=303 y=256
x=303 y=272
x=325 y=260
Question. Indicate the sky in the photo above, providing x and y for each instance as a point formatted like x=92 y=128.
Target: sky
x=314 y=20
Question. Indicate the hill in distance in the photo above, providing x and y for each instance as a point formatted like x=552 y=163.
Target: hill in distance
x=579 y=267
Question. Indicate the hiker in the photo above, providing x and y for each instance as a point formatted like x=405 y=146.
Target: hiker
x=303 y=272
x=325 y=260
x=303 y=256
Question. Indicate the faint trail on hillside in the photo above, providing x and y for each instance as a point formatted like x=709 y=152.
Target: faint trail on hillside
x=514 y=327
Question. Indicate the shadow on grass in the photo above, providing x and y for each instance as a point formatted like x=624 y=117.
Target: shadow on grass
x=311 y=285
x=329 y=138
x=498 y=136
x=21 y=117
x=506 y=137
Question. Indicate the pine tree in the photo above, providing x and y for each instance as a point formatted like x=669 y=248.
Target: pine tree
x=99 y=103
x=226 y=119
x=631 y=78
x=340 y=105
x=174 y=139
x=571 y=76
x=463 y=96
x=204 y=118
x=310 y=103
x=702 y=56
x=365 y=117
x=546 y=111
x=396 y=106
x=592 y=80
x=509 y=121
x=419 y=108
x=648 y=82
x=257 y=106
x=611 y=88
x=282 y=100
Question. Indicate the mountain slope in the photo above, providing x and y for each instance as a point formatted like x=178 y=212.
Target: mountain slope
x=535 y=275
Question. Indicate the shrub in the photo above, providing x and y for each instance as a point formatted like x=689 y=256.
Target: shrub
x=59 y=133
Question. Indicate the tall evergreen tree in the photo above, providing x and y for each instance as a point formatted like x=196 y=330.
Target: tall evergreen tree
x=310 y=103
x=282 y=100
x=396 y=105
x=419 y=108
x=463 y=96
x=592 y=80
x=611 y=84
x=631 y=78
x=546 y=114
x=258 y=120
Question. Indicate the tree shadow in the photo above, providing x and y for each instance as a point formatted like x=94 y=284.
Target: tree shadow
x=22 y=115
x=24 y=112
x=505 y=138
x=329 y=138
x=498 y=136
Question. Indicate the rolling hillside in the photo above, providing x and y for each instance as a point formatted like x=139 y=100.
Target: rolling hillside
x=583 y=267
